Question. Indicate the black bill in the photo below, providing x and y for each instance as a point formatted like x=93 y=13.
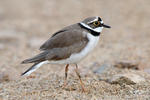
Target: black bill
x=106 y=26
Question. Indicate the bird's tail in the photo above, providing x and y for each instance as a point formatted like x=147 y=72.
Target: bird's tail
x=38 y=58
x=34 y=67
x=38 y=61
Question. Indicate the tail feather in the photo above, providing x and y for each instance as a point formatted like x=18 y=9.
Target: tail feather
x=38 y=58
x=33 y=68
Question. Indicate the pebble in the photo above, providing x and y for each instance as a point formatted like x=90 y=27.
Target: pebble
x=127 y=78
x=103 y=68
x=127 y=64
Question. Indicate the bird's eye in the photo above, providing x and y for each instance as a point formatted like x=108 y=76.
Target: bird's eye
x=96 y=23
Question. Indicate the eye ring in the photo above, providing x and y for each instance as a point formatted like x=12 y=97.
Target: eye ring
x=96 y=23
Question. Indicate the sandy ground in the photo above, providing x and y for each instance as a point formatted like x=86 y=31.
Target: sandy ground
x=26 y=24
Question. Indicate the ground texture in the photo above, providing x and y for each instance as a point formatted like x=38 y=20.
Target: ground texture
x=26 y=24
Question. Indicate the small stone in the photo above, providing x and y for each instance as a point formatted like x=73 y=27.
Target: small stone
x=127 y=64
x=103 y=68
x=128 y=78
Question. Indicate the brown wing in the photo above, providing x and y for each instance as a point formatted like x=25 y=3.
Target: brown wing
x=63 y=39
x=64 y=44
x=64 y=36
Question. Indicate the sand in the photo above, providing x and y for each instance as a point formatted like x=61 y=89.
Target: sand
x=26 y=24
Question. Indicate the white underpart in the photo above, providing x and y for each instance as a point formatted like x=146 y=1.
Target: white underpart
x=35 y=68
x=98 y=29
x=76 y=57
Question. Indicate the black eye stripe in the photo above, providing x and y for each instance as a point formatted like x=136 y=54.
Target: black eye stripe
x=90 y=30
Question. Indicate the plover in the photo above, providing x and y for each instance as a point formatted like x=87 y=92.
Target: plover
x=69 y=46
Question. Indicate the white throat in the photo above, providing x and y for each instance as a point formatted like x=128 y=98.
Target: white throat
x=99 y=29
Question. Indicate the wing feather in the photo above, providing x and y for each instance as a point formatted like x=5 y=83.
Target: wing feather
x=64 y=39
x=64 y=44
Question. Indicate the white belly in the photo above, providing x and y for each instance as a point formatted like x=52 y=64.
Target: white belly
x=76 y=57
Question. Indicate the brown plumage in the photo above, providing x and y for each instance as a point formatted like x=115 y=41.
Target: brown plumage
x=55 y=47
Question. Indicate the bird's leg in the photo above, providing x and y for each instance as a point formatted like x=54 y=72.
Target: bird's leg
x=66 y=74
x=82 y=85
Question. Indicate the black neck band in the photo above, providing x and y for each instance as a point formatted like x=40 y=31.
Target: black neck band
x=91 y=31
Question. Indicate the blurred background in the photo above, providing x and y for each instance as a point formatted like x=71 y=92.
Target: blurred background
x=27 y=24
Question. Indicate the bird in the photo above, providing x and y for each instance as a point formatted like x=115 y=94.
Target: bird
x=68 y=46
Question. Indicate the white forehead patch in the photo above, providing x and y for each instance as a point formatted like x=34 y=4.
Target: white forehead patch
x=98 y=29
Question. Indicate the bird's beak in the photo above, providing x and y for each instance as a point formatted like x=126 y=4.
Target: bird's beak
x=106 y=26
